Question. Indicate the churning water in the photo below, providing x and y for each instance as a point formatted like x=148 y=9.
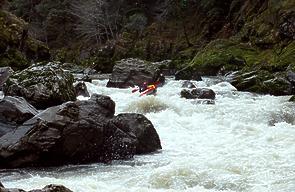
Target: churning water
x=243 y=143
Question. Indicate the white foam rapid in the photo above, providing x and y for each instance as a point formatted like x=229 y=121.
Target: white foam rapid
x=242 y=143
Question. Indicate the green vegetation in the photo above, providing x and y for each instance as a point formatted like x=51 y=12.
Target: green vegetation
x=16 y=47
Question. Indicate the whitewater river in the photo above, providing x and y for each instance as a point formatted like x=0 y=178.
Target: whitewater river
x=243 y=143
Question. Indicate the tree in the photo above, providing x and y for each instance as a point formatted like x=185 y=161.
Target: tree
x=97 y=19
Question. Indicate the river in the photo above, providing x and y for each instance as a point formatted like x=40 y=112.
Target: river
x=243 y=143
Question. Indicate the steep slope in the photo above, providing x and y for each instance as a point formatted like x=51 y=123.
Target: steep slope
x=17 y=48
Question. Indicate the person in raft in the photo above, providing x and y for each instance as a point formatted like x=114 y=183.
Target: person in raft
x=147 y=89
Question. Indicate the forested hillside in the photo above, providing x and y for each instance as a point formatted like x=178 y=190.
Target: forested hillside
x=227 y=35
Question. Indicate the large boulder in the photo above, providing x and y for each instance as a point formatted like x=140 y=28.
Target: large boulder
x=14 y=111
x=48 y=188
x=42 y=86
x=264 y=82
x=74 y=132
x=70 y=133
x=130 y=72
x=138 y=126
x=198 y=93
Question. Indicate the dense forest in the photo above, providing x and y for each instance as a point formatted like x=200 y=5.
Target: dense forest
x=208 y=35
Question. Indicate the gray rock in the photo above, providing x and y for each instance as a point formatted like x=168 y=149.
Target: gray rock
x=81 y=89
x=5 y=72
x=198 y=93
x=188 y=84
x=13 y=112
x=130 y=72
x=48 y=188
x=140 y=128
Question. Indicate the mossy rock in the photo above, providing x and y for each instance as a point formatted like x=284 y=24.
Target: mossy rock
x=286 y=58
x=225 y=54
x=263 y=82
x=42 y=85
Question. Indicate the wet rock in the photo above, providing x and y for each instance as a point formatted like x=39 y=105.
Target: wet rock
x=90 y=71
x=76 y=132
x=291 y=77
x=140 y=129
x=198 y=93
x=1 y=185
x=81 y=89
x=42 y=86
x=187 y=74
x=188 y=84
x=48 y=188
x=70 y=133
x=130 y=72
x=52 y=188
x=14 y=111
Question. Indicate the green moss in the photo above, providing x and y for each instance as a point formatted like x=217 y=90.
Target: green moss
x=14 y=58
x=224 y=53
x=286 y=58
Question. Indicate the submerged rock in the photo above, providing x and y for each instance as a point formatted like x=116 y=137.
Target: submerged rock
x=42 y=86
